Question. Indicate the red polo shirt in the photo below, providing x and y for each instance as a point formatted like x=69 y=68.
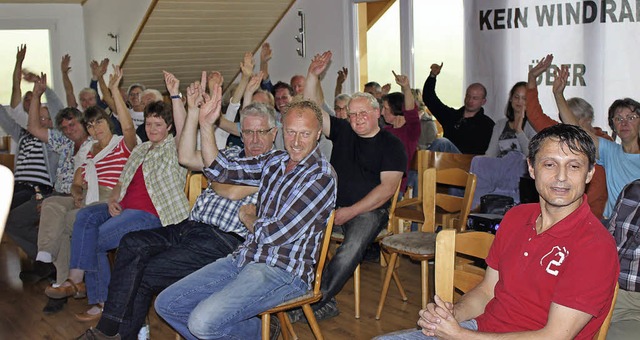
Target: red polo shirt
x=574 y=264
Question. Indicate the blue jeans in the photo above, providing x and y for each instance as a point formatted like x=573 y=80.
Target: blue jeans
x=358 y=232
x=416 y=334
x=96 y=232
x=149 y=261
x=222 y=300
x=443 y=145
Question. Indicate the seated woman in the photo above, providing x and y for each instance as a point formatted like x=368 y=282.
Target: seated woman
x=500 y=172
x=148 y=195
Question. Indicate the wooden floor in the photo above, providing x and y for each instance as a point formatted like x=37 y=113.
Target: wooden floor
x=21 y=306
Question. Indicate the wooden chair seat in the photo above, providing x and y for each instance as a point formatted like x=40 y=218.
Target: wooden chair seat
x=418 y=244
x=338 y=236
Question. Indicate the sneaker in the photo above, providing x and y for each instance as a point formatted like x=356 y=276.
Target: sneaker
x=40 y=271
x=328 y=311
x=54 y=305
x=295 y=315
x=274 y=328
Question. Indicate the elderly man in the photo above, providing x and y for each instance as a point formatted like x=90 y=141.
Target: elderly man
x=151 y=260
x=369 y=162
x=276 y=261
x=467 y=127
x=552 y=268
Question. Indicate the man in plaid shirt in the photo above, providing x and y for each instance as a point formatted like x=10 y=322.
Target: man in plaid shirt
x=149 y=261
x=625 y=227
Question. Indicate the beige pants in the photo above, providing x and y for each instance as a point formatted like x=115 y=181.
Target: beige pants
x=625 y=322
x=54 y=232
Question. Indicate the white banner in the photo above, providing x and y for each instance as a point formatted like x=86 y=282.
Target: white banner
x=599 y=40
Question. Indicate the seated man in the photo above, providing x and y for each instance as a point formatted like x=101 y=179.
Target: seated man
x=151 y=260
x=369 y=162
x=552 y=269
x=276 y=262
x=467 y=127
x=625 y=227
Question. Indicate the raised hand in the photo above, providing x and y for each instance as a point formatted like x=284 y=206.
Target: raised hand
x=214 y=78
x=319 y=63
x=435 y=69
x=210 y=109
x=401 y=80
x=22 y=52
x=94 y=69
x=194 y=95
x=40 y=85
x=542 y=66
x=172 y=83
x=29 y=76
x=246 y=66
x=265 y=53
x=342 y=75
x=254 y=83
x=114 y=79
x=560 y=81
x=65 y=64
x=386 y=88
x=104 y=64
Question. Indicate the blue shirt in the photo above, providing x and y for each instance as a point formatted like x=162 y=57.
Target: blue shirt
x=293 y=208
x=622 y=168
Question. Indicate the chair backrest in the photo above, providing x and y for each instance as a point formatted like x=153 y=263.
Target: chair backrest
x=392 y=207
x=425 y=159
x=6 y=194
x=604 y=329
x=197 y=183
x=5 y=144
x=326 y=239
x=454 y=267
x=444 y=201
x=8 y=160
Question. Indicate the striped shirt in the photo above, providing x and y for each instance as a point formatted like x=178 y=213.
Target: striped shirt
x=212 y=209
x=110 y=167
x=625 y=227
x=30 y=166
x=293 y=208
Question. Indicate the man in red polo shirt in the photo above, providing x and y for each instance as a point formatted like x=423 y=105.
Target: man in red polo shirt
x=552 y=268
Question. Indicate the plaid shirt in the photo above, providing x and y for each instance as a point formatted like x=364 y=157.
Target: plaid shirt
x=293 y=208
x=212 y=209
x=163 y=176
x=67 y=162
x=625 y=227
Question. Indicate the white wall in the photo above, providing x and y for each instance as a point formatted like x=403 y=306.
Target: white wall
x=326 y=29
x=121 y=17
x=67 y=36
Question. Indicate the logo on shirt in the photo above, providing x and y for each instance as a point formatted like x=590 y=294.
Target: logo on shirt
x=554 y=259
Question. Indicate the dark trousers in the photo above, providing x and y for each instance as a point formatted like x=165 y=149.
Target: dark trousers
x=149 y=261
x=359 y=232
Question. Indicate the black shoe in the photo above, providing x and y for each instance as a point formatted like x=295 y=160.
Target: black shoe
x=328 y=311
x=54 y=305
x=274 y=328
x=372 y=254
x=295 y=315
x=39 y=272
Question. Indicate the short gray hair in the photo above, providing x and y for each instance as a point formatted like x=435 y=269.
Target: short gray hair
x=581 y=108
x=156 y=94
x=345 y=97
x=371 y=99
x=259 y=110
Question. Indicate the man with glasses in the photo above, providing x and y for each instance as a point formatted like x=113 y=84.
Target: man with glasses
x=467 y=127
x=369 y=162
x=148 y=261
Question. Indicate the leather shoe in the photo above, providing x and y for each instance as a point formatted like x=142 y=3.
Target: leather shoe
x=54 y=305
x=86 y=317
x=77 y=290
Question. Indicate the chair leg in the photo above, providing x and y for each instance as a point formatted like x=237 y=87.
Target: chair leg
x=285 y=326
x=356 y=290
x=396 y=279
x=424 y=268
x=385 y=285
x=313 y=323
x=266 y=320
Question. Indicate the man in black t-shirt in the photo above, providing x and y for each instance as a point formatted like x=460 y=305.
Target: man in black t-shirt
x=369 y=163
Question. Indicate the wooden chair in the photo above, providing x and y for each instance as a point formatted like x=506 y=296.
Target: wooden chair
x=410 y=209
x=8 y=160
x=338 y=237
x=197 y=183
x=5 y=144
x=604 y=329
x=304 y=301
x=456 y=274
x=421 y=245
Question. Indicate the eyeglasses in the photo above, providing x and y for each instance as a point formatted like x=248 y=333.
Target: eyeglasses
x=362 y=113
x=629 y=118
x=260 y=133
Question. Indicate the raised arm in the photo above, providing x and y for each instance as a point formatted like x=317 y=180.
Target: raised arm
x=409 y=100
x=209 y=114
x=124 y=116
x=318 y=65
x=33 y=125
x=265 y=56
x=179 y=113
x=252 y=86
x=342 y=76
x=187 y=153
x=68 y=86
x=534 y=113
x=246 y=68
x=16 y=92
x=431 y=100
x=104 y=88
